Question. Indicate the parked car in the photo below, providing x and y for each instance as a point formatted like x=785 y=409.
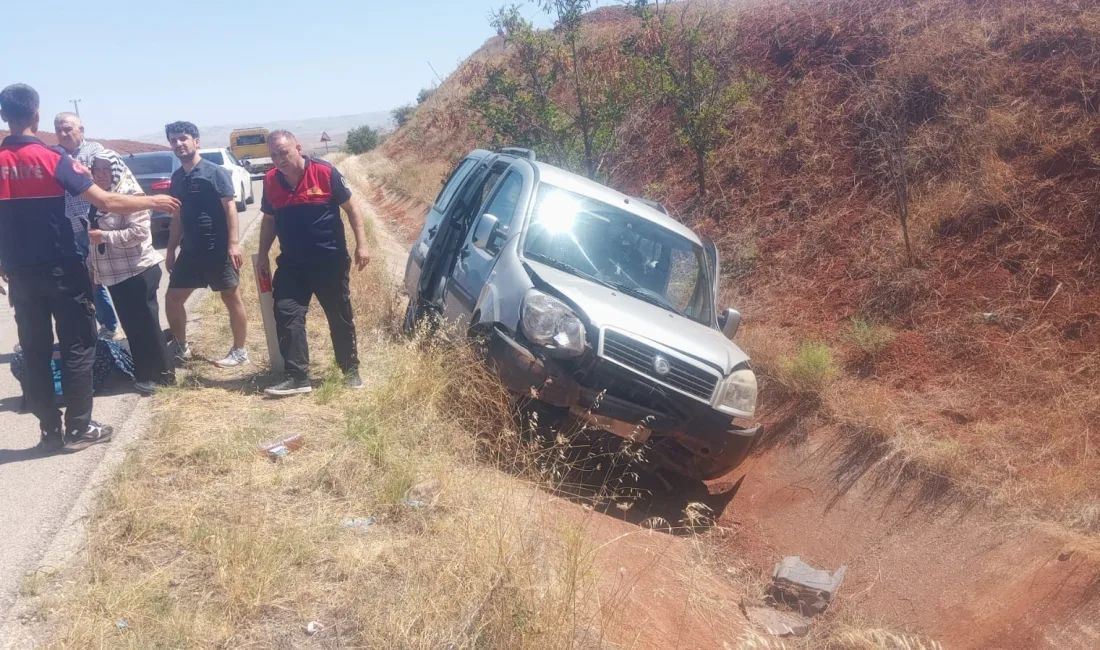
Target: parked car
x=242 y=178
x=596 y=303
x=153 y=171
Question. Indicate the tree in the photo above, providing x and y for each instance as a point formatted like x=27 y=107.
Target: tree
x=362 y=139
x=402 y=114
x=681 y=69
x=520 y=104
x=884 y=123
x=424 y=94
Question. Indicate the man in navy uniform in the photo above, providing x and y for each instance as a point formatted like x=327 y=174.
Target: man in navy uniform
x=302 y=201
x=46 y=273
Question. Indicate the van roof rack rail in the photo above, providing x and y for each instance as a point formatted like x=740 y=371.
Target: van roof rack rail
x=519 y=152
x=653 y=204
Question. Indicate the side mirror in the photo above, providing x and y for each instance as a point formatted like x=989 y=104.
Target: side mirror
x=730 y=321
x=485 y=231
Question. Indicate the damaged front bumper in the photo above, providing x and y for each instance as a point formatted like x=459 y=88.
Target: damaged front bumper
x=705 y=446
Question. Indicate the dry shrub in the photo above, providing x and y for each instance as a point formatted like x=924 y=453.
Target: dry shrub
x=810 y=370
x=877 y=639
x=868 y=336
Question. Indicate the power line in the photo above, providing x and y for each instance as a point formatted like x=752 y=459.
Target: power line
x=76 y=105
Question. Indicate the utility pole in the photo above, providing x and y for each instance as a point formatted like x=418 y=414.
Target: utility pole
x=76 y=103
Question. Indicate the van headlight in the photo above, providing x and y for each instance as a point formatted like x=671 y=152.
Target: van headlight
x=549 y=322
x=739 y=393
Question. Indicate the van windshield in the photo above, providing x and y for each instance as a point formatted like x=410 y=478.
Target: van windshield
x=613 y=247
x=255 y=138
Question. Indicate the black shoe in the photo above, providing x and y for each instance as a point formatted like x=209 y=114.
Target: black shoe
x=51 y=441
x=95 y=434
x=353 y=380
x=289 y=386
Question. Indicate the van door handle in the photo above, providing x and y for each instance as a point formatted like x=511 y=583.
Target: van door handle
x=464 y=253
x=432 y=231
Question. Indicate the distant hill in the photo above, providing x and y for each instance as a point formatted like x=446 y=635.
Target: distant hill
x=307 y=130
x=121 y=146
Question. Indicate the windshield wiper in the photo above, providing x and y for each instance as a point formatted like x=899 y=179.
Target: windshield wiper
x=569 y=268
x=642 y=295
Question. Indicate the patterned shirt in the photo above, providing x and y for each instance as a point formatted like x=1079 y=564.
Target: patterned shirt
x=127 y=247
x=76 y=208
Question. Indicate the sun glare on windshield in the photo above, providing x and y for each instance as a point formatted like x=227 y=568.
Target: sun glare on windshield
x=557 y=212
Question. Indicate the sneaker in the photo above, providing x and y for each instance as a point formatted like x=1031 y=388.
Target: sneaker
x=50 y=441
x=236 y=357
x=289 y=386
x=107 y=334
x=183 y=354
x=95 y=434
x=145 y=387
x=353 y=380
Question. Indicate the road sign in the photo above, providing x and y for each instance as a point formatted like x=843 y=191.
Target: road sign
x=324 y=137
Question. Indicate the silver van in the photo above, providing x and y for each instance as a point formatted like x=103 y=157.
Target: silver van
x=598 y=304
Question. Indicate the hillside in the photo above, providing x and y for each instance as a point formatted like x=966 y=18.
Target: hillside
x=307 y=130
x=975 y=363
x=121 y=146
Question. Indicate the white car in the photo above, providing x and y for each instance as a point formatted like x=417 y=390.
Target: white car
x=242 y=179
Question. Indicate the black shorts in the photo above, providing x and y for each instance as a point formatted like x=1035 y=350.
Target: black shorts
x=201 y=270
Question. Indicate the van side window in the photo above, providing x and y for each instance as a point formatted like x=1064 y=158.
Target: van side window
x=449 y=190
x=504 y=204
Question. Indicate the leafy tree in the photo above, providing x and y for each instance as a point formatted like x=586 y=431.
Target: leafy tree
x=402 y=114
x=680 y=68
x=424 y=94
x=523 y=104
x=362 y=139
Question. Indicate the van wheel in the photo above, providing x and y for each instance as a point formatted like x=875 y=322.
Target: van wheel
x=251 y=195
x=241 y=205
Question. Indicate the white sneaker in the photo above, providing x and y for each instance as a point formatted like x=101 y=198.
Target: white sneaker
x=184 y=353
x=236 y=357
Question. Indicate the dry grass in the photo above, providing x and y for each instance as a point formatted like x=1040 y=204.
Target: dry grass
x=201 y=541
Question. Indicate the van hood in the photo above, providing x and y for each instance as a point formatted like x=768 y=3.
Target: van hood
x=606 y=307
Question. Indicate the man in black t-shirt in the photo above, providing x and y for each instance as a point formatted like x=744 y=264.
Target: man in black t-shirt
x=301 y=205
x=206 y=233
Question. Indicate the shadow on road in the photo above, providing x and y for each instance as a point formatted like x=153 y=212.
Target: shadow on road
x=9 y=456
x=13 y=404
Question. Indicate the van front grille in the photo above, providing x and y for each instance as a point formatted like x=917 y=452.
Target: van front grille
x=644 y=359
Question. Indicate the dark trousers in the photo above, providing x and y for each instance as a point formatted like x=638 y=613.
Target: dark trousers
x=293 y=287
x=61 y=291
x=137 y=307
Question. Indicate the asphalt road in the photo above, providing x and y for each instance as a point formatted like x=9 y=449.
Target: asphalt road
x=39 y=492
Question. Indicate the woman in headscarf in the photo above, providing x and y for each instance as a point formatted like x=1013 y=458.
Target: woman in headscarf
x=124 y=260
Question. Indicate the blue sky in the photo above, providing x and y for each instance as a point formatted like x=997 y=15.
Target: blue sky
x=139 y=65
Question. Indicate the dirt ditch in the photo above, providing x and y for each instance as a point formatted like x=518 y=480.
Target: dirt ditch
x=921 y=558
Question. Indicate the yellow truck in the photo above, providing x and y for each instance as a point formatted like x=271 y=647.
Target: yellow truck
x=250 y=147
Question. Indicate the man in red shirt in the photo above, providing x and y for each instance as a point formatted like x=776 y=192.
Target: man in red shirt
x=46 y=273
x=302 y=201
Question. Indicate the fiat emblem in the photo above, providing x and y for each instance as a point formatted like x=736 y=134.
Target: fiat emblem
x=661 y=366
